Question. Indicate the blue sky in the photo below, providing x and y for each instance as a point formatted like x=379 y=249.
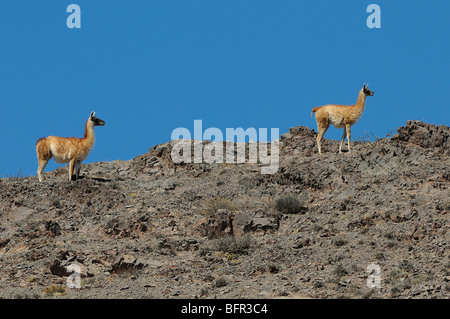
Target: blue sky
x=149 y=66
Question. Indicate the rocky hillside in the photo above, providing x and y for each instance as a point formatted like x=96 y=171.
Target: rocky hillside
x=148 y=228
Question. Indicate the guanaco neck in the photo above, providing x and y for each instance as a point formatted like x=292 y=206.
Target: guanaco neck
x=89 y=135
x=360 y=104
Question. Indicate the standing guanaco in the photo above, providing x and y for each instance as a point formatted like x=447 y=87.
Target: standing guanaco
x=71 y=150
x=340 y=116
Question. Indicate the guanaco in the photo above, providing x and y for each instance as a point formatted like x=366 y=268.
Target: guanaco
x=340 y=116
x=71 y=150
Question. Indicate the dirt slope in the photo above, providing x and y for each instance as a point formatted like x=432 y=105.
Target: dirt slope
x=147 y=228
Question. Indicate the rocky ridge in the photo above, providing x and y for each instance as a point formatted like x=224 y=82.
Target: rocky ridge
x=150 y=228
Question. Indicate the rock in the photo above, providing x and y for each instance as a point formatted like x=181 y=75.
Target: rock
x=53 y=227
x=419 y=234
x=303 y=242
x=424 y=134
x=402 y=216
x=125 y=263
x=237 y=223
x=246 y=222
x=408 y=214
x=161 y=149
x=344 y=283
x=93 y=270
x=284 y=138
x=58 y=269
x=169 y=184
x=21 y=213
x=217 y=225
x=122 y=228
x=63 y=266
x=4 y=242
x=394 y=217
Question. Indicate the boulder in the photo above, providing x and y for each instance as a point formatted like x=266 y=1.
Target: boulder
x=236 y=223
x=126 y=263
x=424 y=134
x=250 y=222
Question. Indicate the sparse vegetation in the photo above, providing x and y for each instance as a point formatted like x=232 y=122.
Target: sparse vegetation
x=55 y=290
x=372 y=140
x=290 y=204
x=212 y=205
x=318 y=284
x=400 y=286
x=340 y=271
x=18 y=175
x=232 y=245
x=27 y=296
x=221 y=282
x=380 y=256
x=340 y=242
x=407 y=266
x=443 y=205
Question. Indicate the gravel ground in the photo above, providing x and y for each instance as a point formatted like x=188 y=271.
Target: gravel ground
x=148 y=228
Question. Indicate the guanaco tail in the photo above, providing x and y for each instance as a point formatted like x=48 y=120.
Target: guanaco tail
x=71 y=150
x=341 y=116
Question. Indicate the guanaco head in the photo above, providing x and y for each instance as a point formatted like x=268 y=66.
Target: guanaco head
x=367 y=91
x=96 y=120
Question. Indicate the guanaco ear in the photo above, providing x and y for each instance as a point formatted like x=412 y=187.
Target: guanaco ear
x=364 y=87
x=92 y=114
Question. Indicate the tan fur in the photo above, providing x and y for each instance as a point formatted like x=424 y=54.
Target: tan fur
x=340 y=116
x=71 y=150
